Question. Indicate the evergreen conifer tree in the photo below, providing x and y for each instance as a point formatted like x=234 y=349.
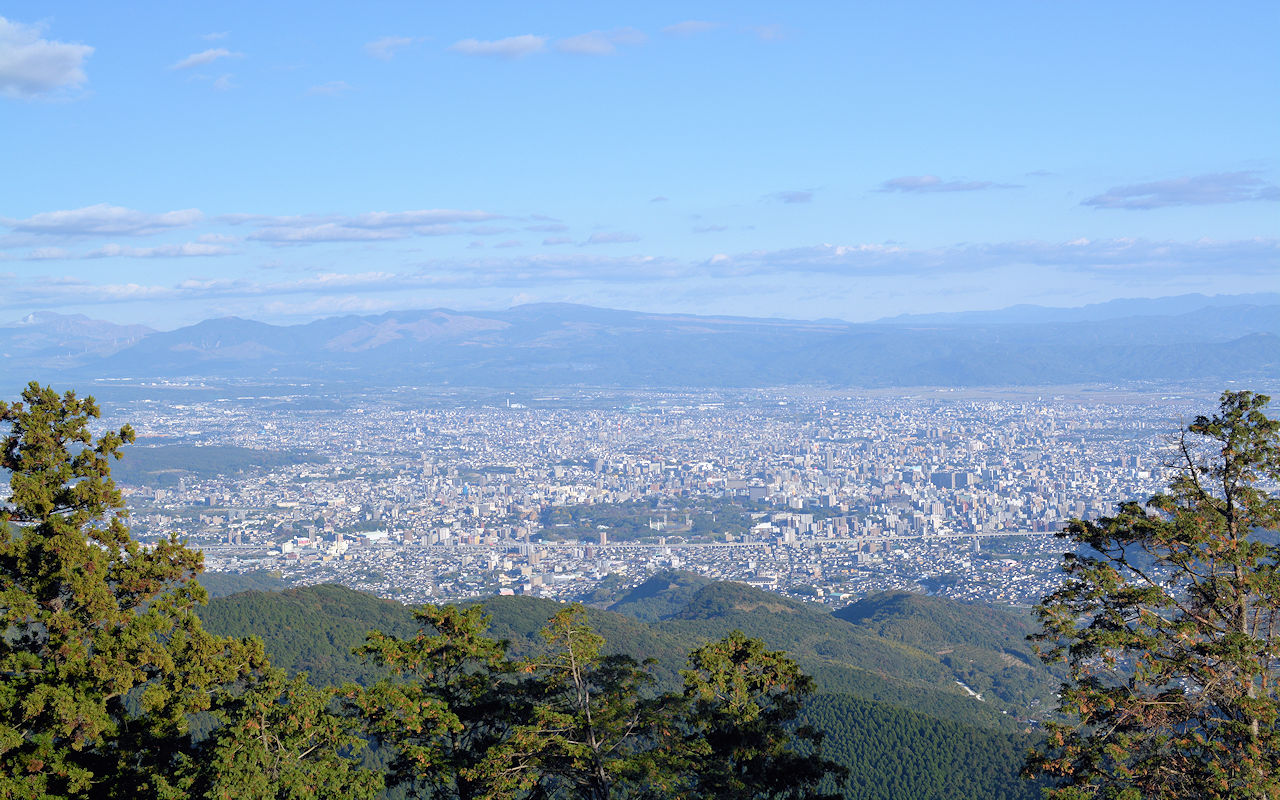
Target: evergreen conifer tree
x=102 y=657
x=1169 y=626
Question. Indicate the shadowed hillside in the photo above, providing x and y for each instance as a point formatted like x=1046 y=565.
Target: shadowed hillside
x=877 y=665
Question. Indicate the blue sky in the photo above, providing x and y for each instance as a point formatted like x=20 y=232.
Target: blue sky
x=164 y=163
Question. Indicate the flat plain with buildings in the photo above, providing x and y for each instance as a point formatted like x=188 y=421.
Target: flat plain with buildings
x=427 y=496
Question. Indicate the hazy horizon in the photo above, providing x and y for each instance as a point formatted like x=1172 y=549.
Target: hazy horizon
x=285 y=162
x=1269 y=298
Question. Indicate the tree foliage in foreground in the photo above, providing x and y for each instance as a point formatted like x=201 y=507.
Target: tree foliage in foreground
x=283 y=739
x=451 y=699
x=742 y=701
x=1169 y=624
x=103 y=658
x=569 y=722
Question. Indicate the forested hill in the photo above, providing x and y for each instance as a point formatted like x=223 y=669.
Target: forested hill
x=877 y=665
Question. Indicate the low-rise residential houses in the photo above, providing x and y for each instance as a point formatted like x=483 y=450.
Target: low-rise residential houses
x=429 y=496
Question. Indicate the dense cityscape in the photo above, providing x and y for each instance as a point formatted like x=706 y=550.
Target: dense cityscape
x=824 y=496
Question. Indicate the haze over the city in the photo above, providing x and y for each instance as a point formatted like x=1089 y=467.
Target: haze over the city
x=166 y=164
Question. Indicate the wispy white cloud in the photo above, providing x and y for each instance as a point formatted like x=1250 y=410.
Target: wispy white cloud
x=372 y=226
x=184 y=250
x=31 y=66
x=824 y=265
x=510 y=47
x=224 y=83
x=324 y=232
x=214 y=36
x=932 y=183
x=1101 y=256
x=1199 y=190
x=690 y=27
x=102 y=219
x=385 y=49
x=49 y=254
x=600 y=43
x=205 y=57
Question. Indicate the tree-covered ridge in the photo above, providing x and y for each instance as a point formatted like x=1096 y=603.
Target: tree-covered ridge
x=163 y=465
x=313 y=629
x=898 y=739
x=844 y=658
x=661 y=596
x=894 y=753
x=221 y=584
x=984 y=646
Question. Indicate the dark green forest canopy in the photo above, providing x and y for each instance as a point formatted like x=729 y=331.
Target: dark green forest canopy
x=898 y=754
x=876 y=668
x=163 y=465
x=221 y=584
x=911 y=653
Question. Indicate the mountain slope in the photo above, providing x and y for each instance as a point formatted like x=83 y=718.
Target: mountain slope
x=1092 y=312
x=561 y=344
x=311 y=629
x=877 y=655
x=900 y=754
x=47 y=340
x=959 y=749
x=983 y=646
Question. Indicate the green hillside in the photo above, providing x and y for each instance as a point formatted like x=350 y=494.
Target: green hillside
x=900 y=649
x=842 y=658
x=888 y=647
x=518 y=620
x=897 y=754
x=311 y=629
x=984 y=646
x=661 y=596
x=221 y=584
x=164 y=465
x=877 y=663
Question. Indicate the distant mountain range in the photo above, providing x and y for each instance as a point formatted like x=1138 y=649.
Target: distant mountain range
x=47 y=339
x=1186 y=338
x=1094 y=312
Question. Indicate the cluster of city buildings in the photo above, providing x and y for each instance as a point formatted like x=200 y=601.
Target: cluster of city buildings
x=823 y=495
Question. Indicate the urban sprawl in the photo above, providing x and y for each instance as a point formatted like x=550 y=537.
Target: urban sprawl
x=426 y=497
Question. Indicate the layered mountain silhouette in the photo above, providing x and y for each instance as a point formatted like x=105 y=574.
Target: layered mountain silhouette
x=569 y=345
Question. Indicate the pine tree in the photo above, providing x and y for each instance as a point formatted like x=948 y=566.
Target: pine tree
x=449 y=700
x=1169 y=626
x=742 y=741
x=593 y=726
x=103 y=658
x=282 y=739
